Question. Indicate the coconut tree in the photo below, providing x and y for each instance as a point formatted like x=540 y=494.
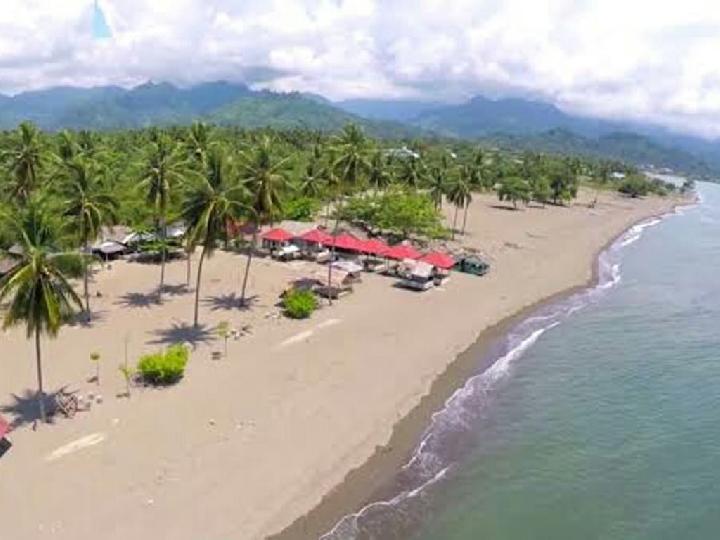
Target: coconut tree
x=438 y=182
x=379 y=176
x=164 y=169
x=351 y=164
x=89 y=205
x=460 y=196
x=208 y=204
x=198 y=141
x=265 y=176
x=514 y=189
x=37 y=288
x=25 y=158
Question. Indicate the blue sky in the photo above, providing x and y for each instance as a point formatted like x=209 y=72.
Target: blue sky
x=651 y=60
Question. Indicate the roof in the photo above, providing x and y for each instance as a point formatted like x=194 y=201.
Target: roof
x=316 y=236
x=438 y=259
x=422 y=270
x=348 y=242
x=401 y=252
x=111 y=247
x=115 y=233
x=337 y=280
x=277 y=235
x=348 y=266
x=374 y=247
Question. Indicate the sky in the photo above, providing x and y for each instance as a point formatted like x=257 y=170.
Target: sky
x=649 y=60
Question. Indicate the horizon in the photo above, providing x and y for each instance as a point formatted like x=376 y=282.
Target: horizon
x=641 y=63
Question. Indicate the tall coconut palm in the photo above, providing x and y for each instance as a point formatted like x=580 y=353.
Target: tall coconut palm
x=438 y=182
x=164 y=169
x=265 y=176
x=412 y=171
x=25 y=159
x=379 y=176
x=89 y=205
x=37 y=287
x=459 y=195
x=198 y=141
x=207 y=206
x=351 y=164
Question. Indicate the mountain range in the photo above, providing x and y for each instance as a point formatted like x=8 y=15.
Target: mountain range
x=514 y=123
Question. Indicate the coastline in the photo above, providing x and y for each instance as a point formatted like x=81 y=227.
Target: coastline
x=372 y=481
x=355 y=384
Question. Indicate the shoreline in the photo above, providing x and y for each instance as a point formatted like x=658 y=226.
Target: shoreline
x=372 y=480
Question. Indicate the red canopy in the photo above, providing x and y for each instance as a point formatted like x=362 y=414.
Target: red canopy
x=4 y=427
x=316 y=236
x=438 y=259
x=401 y=252
x=374 y=247
x=277 y=235
x=347 y=242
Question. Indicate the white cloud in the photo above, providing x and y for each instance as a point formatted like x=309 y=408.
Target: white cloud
x=642 y=59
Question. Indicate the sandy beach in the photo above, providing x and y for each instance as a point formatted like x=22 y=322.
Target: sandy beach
x=246 y=445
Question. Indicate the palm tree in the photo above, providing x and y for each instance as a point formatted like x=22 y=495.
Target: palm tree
x=412 y=171
x=379 y=176
x=25 y=160
x=198 y=141
x=164 y=169
x=89 y=205
x=514 y=189
x=265 y=177
x=351 y=164
x=207 y=206
x=460 y=196
x=438 y=182
x=37 y=286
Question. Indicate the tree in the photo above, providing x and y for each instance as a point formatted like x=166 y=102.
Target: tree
x=89 y=205
x=164 y=169
x=198 y=142
x=379 y=176
x=25 y=159
x=540 y=189
x=438 y=182
x=265 y=177
x=208 y=205
x=514 y=189
x=563 y=182
x=412 y=171
x=37 y=287
x=460 y=196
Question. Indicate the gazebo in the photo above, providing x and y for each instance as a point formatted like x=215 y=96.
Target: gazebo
x=275 y=238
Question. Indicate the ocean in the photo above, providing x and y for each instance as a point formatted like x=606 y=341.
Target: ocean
x=600 y=418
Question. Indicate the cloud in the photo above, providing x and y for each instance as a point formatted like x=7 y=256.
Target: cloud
x=638 y=59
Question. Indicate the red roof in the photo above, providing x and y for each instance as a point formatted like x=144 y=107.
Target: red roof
x=277 y=235
x=4 y=427
x=441 y=260
x=317 y=236
x=347 y=242
x=401 y=252
x=374 y=247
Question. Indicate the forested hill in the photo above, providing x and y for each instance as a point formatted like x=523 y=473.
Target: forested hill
x=110 y=108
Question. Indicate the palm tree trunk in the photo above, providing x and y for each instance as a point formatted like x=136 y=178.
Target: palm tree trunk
x=247 y=265
x=163 y=234
x=41 y=393
x=188 y=270
x=86 y=290
x=332 y=250
x=197 y=285
x=454 y=222
x=465 y=218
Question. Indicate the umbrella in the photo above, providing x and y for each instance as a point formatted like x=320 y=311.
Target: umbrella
x=401 y=252
x=439 y=260
x=277 y=235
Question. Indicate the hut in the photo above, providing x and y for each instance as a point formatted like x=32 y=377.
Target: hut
x=420 y=277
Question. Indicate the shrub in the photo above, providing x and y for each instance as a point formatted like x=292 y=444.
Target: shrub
x=164 y=367
x=635 y=186
x=301 y=209
x=299 y=304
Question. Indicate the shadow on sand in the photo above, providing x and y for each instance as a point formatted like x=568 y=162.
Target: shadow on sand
x=24 y=409
x=183 y=333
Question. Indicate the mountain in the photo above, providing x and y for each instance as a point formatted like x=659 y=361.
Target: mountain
x=627 y=147
x=393 y=110
x=107 y=108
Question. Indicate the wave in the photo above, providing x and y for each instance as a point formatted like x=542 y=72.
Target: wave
x=449 y=434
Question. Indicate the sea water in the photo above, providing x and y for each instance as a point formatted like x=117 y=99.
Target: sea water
x=600 y=418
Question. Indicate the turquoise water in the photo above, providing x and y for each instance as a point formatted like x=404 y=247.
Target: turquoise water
x=601 y=420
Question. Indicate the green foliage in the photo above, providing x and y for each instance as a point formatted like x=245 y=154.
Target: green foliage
x=398 y=211
x=301 y=209
x=540 y=189
x=635 y=186
x=299 y=304
x=164 y=368
x=514 y=189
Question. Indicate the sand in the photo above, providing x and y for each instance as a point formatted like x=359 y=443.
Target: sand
x=247 y=444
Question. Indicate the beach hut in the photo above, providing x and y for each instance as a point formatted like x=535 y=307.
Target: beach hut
x=401 y=252
x=347 y=242
x=420 y=277
x=314 y=244
x=351 y=268
x=440 y=260
x=275 y=239
x=340 y=284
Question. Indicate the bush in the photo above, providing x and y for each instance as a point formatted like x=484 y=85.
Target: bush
x=299 y=304
x=164 y=367
x=635 y=186
x=301 y=209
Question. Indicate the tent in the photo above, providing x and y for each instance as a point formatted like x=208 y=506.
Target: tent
x=438 y=260
x=315 y=236
x=277 y=235
x=401 y=252
x=347 y=242
x=374 y=247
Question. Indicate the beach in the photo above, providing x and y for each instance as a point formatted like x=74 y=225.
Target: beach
x=247 y=445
